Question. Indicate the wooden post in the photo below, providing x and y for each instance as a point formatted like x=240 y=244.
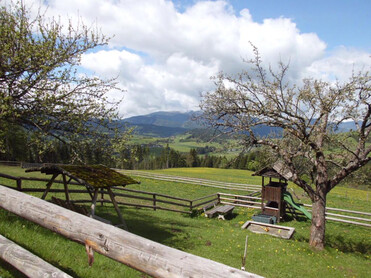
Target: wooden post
x=48 y=185
x=112 y=196
x=93 y=203
x=19 y=184
x=137 y=252
x=244 y=255
x=218 y=198
x=154 y=201
x=66 y=188
x=190 y=206
x=26 y=262
x=102 y=197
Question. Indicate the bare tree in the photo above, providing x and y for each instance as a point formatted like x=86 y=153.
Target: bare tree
x=308 y=115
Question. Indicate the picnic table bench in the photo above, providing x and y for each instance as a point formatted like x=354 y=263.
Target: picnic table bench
x=221 y=211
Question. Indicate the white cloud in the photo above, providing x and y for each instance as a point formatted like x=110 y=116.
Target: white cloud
x=179 y=51
x=339 y=65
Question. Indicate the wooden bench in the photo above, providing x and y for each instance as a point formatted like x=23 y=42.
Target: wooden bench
x=220 y=211
x=209 y=206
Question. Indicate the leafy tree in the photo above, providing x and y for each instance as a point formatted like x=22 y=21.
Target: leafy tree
x=308 y=114
x=41 y=89
x=192 y=159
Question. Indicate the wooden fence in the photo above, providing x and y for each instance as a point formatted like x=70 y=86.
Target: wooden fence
x=332 y=214
x=137 y=252
x=125 y=196
x=197 y=181
x=156 y=201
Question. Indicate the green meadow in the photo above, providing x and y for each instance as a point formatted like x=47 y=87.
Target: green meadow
x=347 y=252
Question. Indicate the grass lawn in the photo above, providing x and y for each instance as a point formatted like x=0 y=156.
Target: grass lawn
x=347 y=252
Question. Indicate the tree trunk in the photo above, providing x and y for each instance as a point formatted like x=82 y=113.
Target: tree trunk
x=317 y=230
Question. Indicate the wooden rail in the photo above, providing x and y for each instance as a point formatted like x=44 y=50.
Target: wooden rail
x=26 y=262
x=197 y=181
x=137 y=252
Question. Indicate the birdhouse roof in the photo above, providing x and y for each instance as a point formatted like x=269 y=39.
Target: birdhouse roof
x=278 y=170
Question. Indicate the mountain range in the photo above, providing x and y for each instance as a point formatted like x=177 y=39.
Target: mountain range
x=166 y=124
x=163 y=124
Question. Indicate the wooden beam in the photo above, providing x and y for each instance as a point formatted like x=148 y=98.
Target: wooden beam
x=137 y=252
x=93 y=203
x=65 y=184
x=112 y=196
x=48 y=185
x=26 y=262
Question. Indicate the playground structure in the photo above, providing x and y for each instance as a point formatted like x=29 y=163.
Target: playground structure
x=274 y=196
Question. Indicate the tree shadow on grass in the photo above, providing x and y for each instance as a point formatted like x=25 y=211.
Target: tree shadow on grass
x=344 y=240
x=167 y=231
x=348 y=244
x=11 y=270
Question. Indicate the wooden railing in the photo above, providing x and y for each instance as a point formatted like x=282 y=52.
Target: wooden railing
x=197 y=181
x=332 y=214
x=157 y=201
x=125 y=196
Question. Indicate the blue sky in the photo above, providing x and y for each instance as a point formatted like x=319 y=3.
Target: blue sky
x=337 y=22
x=164 y=52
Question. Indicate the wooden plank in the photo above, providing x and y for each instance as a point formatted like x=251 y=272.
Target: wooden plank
x=46 y=180
x=269 y=229
x=150 y=193
x=225 y=209
x=212 y=212
x=239 y=205
x=239 y=201
x=205 y=197
x=208 y=183
x=26 y=262
x=188 y=179
x=151 y=199
x=349 y=222
x=142 y=254
x=205 y=202
x=8 y=176
x=343 y=210
x=349 y=217
x=240 y=196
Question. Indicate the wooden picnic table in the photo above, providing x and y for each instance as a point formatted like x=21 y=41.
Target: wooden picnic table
x=221 y=211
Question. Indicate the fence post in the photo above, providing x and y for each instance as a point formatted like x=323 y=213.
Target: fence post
x=190 y=206
x=218 y=198
x=19 y=184
x=154 y=201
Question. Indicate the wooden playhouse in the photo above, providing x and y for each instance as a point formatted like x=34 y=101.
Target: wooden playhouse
x=274 y=184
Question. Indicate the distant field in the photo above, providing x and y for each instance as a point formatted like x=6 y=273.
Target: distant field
x=180 y=143
x=347 y=252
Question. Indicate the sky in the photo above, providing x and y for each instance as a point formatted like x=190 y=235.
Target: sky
x=163 y=52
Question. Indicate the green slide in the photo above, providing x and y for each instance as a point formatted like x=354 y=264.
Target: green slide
x=288 y=198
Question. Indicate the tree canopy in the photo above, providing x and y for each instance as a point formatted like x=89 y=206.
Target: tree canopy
x=41 y=88
x=308 y=114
